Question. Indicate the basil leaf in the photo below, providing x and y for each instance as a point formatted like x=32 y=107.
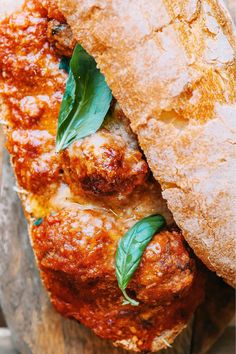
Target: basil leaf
x=131 y=248
x=65 y=64
x=86 y=100
x=38 y=222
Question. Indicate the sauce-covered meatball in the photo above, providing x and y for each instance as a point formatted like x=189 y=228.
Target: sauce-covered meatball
x=104 y=164
x=76 y=250
x=35 y=161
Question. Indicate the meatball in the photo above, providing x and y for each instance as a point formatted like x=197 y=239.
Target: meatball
x=36 y=164
x=166 y=271
x=103 y=164
x=77 y=242
x=76 y=251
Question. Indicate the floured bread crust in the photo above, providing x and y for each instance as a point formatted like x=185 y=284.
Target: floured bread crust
x=171 y=66
x=7 y=7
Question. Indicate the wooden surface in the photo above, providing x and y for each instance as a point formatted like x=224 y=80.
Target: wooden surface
x=225 y=345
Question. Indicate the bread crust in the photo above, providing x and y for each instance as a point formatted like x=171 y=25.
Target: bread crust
x=171 y=66
x=7 y=7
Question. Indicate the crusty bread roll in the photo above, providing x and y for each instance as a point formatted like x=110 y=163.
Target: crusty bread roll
x=171 y=66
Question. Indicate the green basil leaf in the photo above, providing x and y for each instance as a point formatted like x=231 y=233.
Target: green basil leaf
x=86 y=100
x=131 y=248
x=38 y=222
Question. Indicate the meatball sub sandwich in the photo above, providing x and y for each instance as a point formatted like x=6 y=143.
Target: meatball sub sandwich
x=83 y=83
